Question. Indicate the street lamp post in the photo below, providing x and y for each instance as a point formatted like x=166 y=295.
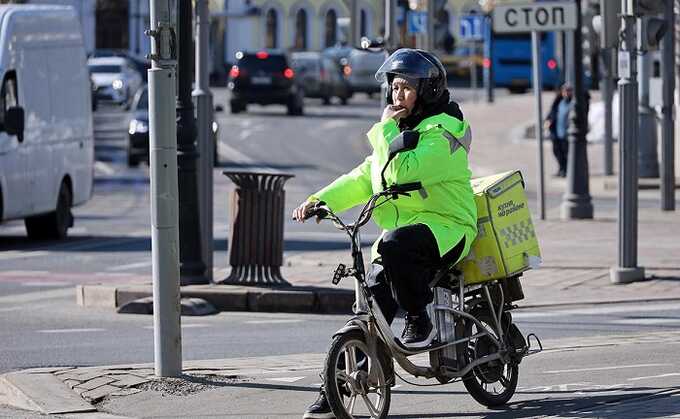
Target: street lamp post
x=627 y=269
x=167 y=333
x=576 y=203
x=192 y=267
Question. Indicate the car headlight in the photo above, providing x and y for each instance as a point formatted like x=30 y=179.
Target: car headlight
x=117 y=84
x=137 y=126
x=215 y=127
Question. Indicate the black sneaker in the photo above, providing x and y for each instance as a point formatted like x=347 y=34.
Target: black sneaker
x=320 y=409
x=418 y=330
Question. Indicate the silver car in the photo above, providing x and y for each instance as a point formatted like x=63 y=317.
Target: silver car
x=360 y=70
x=320 y=77
x=115 y=79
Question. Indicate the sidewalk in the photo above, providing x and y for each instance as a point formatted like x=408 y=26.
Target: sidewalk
x=577 y=256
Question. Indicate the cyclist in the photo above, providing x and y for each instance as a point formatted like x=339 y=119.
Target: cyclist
x=434 y=226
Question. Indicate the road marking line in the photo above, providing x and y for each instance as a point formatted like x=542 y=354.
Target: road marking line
x=273 y=321
x=5 y=309
x=45 y=284
x=130 y=266
x=606 y=368
x=70 y=330
x=25 y=273
x=673 y=374
x=646 y=322
x=38 y=296
x=597 y=310
x=286 y=379
x=17 y=254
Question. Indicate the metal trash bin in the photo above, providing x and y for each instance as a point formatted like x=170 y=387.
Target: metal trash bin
x=257 y=217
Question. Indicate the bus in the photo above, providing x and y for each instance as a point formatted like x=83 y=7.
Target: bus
x=511 y=61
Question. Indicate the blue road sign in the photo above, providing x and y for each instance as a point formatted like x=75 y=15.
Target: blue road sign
x=417 y=22
x=472 y=27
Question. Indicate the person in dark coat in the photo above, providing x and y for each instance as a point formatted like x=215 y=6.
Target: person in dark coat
x=557 y=123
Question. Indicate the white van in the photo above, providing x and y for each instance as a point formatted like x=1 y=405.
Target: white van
x=46 y=139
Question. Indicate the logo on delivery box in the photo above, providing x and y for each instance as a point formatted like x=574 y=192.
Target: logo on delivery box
x=507 y=208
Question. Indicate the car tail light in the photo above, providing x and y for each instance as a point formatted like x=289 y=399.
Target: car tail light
x=486 y=63
x=288 y=73
x=552 y=64
x=262 y=55
x=347 y=70
x=234 y=72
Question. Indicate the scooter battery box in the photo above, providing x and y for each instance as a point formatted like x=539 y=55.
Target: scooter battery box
x=506 y=243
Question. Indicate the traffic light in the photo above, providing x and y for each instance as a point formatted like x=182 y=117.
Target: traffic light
x=651 y=28
x=607 y=23
x=650 y=31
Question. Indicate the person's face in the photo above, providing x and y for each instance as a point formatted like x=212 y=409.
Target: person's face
x=403 y=94
x=567 y=92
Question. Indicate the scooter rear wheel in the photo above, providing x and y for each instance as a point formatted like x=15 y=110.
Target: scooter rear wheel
x=493 y=383
x=350 y=392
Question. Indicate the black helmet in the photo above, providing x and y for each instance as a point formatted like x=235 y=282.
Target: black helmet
x=418 y=64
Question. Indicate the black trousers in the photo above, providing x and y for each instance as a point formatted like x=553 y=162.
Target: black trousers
x=410 y=258
x=561 y=151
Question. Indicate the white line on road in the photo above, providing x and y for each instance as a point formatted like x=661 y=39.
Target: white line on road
x=286 y=379
x=70 y=330
x=597 y=310
x=274 y=321
x=646 y=322
x=25 y=273
x=130 y=266
x=673 y=374
x=606 y=368
x=44 y=284
x=38 y=296
x=6 y=309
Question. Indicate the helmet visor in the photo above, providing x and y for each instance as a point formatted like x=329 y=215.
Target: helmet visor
x=407 y=62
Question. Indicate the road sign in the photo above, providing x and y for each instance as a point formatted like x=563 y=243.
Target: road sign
x=541 y=17
x=472 y=27
x=417 y=21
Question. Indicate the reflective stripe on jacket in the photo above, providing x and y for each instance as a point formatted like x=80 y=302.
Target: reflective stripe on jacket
x=440 y=162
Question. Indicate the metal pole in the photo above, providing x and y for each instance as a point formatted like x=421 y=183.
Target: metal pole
x=607 y=87
x=627 y=269
x=667 y=128
x=536 y=66
x=192 y=267
x=648 y=159
x=206 y=161
x=473 y=69
x=167 y=334
x=576 y=202
x=488 y=55
x=354 y=23
x=429 y=36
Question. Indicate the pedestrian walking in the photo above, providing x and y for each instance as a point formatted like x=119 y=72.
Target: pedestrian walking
x=557 y=123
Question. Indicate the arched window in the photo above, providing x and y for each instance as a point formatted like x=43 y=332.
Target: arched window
x=272 y=24
x=301 y=29
x=331 y=28
x=363 y=24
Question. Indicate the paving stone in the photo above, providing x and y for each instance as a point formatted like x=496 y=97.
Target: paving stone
x=70 y=376
x=89 y=375
x=98 y=393
x=71 y=383
x=95 y=383
x=129 y=381
x=125 y=392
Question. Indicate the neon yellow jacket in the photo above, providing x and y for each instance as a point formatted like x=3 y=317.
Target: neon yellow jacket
x=440 y=162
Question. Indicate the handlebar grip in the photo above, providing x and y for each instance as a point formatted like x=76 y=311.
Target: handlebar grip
x=317 y=210
x=407 y=187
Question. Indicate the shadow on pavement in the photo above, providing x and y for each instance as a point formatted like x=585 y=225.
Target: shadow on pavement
x=104 y=244
x=613 y=406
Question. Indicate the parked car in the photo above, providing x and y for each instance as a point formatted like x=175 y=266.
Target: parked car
x=116 y=79
x=46 y=139
x=265 y=78
x=360 y=70
x=320 y=76
x=139 y=63
x=138 y=130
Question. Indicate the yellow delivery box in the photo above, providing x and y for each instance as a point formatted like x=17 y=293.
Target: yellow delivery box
x=506 y=242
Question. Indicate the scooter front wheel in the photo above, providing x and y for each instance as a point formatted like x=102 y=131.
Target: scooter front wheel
x=351 y=392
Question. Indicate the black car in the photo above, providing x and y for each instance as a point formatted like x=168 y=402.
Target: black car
x=138 y=142
x=265 y=78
